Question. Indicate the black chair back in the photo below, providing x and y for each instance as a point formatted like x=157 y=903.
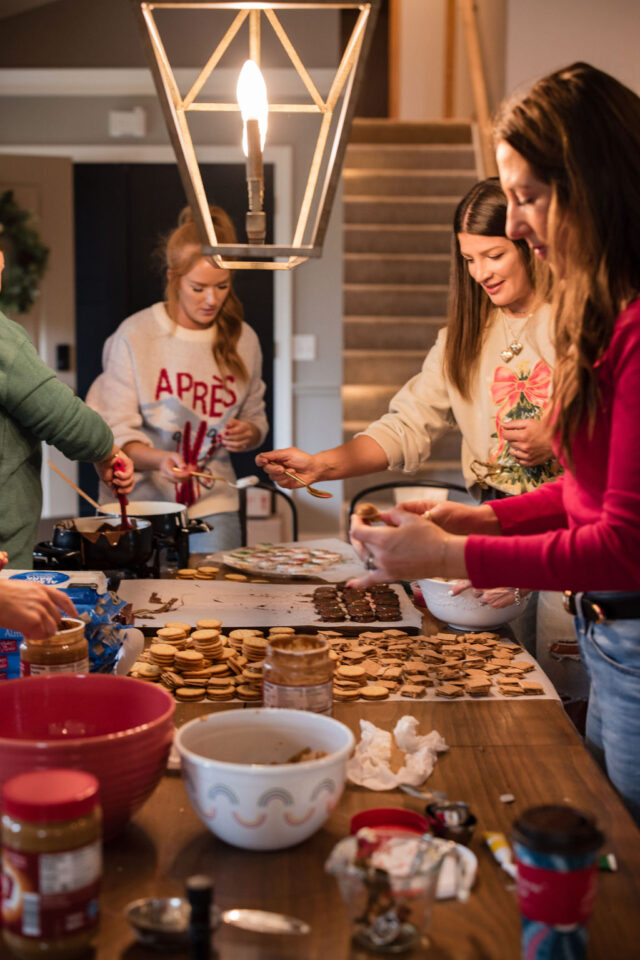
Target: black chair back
x=276 y=492
x=395 y=484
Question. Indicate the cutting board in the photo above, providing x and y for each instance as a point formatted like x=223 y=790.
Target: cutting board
x=240 y=605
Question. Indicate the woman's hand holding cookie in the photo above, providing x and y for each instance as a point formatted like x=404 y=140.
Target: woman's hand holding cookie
x=407 y=547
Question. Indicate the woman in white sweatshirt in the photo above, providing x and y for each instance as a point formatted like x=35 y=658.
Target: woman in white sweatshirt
x=182 y=385
x=489 y=371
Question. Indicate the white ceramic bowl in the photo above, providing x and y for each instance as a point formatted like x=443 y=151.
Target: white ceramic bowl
x=464 y=611
x=234 y=769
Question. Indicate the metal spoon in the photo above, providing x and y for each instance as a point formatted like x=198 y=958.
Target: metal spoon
x=312 y=490
x=238 y=484
x=264 y=921
x=163 y=922
x=436 y=796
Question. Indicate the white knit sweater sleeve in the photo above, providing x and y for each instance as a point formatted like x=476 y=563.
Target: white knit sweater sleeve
x=114 y=394
x=418 y=414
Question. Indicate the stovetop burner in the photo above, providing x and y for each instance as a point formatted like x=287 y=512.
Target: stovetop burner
x=168 y=554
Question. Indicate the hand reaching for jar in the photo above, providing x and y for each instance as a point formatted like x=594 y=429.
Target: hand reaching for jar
x=33 y=609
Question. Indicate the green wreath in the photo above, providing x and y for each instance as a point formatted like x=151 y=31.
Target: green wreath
x=26 y=257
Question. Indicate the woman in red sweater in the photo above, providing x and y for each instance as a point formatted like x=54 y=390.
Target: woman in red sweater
x=568 y=152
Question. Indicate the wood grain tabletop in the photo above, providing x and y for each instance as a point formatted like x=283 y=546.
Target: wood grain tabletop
x=526 y=748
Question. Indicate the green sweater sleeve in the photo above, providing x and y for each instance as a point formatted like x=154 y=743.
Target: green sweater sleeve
x=47 y=408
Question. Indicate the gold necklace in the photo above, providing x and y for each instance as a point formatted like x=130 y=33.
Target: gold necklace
x=514 y=345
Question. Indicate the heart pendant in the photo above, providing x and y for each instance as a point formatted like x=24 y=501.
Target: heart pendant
x=515 y=347
x=507 y=355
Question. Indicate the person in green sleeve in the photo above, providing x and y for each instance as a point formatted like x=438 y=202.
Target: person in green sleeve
x=35 y=406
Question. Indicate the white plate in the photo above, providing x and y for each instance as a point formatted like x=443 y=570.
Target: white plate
x=299 y=570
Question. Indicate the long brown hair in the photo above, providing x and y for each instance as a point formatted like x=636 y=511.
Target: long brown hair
x=579 y=131
x=181 y=250
x=482 y=212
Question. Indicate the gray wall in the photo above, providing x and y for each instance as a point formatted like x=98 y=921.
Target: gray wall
x=549 y=34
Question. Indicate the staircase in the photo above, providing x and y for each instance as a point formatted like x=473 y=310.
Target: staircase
x=402 y=183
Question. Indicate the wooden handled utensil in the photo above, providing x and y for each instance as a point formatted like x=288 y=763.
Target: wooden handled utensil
x=74 y=485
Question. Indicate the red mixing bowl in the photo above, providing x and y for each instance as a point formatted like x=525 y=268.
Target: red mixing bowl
x=117 y=728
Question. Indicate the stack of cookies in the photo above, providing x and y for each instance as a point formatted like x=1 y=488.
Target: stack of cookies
x=205 y=664
x=197 y=573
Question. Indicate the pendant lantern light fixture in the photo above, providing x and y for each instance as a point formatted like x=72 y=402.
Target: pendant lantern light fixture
x=235 y=25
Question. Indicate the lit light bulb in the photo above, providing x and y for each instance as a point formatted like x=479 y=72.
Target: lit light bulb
x=251 y=93
x=254 y=107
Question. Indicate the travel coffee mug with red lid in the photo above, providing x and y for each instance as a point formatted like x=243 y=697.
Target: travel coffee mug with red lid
x=555 y=849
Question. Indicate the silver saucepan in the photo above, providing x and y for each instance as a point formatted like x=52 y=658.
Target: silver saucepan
x=166 y=518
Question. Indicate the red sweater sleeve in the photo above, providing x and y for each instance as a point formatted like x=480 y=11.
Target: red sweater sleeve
x=600 y=547
x=534 y=512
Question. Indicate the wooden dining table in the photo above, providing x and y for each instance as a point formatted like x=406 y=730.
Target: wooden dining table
x=526 y=748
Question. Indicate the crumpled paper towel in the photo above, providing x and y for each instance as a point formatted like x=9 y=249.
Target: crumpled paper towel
x=369 y=765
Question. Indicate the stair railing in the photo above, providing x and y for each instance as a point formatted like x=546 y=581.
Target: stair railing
x=478 y=85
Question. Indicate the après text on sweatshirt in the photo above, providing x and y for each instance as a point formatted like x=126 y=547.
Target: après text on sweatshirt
x=161 y=386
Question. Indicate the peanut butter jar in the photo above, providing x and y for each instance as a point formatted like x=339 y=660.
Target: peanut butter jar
x=298 y=674
x=51 y=863
x=66 y=651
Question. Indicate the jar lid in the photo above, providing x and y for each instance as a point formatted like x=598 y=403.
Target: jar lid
x=557 y=829
x=42 y=796
x=298 y=645
x=389 y=821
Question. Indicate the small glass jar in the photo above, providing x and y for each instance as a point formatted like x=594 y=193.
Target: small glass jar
x=66 y=651
x=51 y=863
x=298 y=674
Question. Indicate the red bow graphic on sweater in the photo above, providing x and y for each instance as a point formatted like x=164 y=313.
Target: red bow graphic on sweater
x=507 y=389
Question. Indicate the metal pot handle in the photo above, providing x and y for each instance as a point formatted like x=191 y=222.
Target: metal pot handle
x=45 y=551
x=197 y=526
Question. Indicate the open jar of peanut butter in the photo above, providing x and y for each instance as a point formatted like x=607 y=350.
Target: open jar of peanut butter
x=66 y=651
x=51 y=863
x=298 y=674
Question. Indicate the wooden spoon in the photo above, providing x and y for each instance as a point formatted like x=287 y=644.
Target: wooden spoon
x=74 y=485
